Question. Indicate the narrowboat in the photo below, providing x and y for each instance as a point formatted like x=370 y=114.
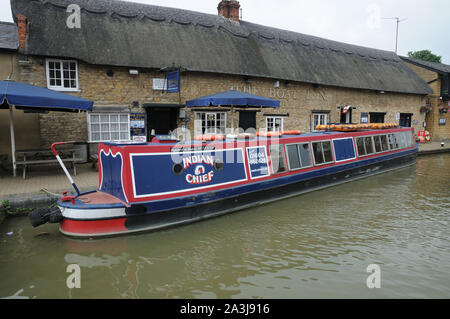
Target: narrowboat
x=165 y=183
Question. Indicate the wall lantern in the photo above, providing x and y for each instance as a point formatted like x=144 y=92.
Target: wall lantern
x=134 y=72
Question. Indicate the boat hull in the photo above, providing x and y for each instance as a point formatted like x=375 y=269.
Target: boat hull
x=146 y=216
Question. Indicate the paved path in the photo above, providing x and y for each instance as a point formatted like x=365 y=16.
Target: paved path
x=52 y=178
x=434 y=147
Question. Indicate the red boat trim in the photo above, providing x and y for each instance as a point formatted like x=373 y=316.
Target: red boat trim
x=96 y=227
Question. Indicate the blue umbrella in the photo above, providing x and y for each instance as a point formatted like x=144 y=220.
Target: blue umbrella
x=233 y=98
x=30 y=97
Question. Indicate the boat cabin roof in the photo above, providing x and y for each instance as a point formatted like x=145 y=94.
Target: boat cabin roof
x=165 y=140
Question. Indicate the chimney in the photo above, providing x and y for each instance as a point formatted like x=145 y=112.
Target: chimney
x=22 y=30
x=229 y=9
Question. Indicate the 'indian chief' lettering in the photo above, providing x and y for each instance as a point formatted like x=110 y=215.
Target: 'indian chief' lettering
x=200 y=175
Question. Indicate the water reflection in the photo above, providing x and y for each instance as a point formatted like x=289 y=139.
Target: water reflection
x=315 y=245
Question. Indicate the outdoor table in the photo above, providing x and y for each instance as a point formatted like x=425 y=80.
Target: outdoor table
x=44 y=157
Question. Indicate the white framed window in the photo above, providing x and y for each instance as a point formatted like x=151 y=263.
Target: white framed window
x=274 y=123
x=62 y=75
x=109 y=127
x=319 y=119
x=210 y=123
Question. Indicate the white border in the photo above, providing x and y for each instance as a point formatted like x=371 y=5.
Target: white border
x=61 y=88
x=274 y=118
x=185 y=190
x=267 y=164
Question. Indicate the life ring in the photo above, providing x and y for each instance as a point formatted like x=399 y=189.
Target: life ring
x=269 y=134
x=292 y=132
x=209 y=137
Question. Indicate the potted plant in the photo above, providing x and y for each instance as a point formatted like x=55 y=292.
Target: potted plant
x=425 y=108
x=443 y=109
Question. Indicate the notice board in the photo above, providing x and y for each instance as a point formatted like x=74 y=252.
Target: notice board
x=138 y=127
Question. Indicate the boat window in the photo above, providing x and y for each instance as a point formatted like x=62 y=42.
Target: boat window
x=322 y=153
x=377 y=142
x=392 y=142
x=369 y=145
x=305 y=155
x=401 y=139
x=277 y=158
x=409 y=139
x=298 y=156
x=360 y=146
x=384 y=143
x=327 y=152
x=317 y=150
x=293 y=157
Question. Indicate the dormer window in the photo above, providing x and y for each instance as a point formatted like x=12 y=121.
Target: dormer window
x=62 y=75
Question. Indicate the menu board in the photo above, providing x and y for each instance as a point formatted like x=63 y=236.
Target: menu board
x=138 y=131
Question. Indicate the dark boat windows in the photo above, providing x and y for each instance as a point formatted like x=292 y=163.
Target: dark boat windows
x=322 y=153
x=377 y=143
x=298 y=156
x=293 y=157
x=401 y=140
x=277 y=158
x=384 y=143
x=305 y=155
x=392 y=142
x=365 y=145
x=360 y=146
x=408 y=139
x=369 y=145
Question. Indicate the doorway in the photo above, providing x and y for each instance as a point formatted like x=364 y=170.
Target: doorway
x=346 y=115
x=247 y=119
x=162 y=119
x=405 y=119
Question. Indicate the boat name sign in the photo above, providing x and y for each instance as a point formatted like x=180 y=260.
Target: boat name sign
x=200 y=175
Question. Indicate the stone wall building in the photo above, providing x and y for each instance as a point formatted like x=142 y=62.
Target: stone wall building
x=118 y=54
x=437 y=76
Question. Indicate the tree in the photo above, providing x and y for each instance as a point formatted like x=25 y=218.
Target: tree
x=425 y=55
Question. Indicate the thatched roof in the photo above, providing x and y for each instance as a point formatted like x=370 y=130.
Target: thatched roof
x=8 y=36
x=433 y=66
x=128 y=34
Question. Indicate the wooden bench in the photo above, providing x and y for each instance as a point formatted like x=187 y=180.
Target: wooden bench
x=45 y=157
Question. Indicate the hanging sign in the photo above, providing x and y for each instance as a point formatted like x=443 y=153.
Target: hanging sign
x=173 y=82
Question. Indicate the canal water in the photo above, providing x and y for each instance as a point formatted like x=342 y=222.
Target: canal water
x=318 y=245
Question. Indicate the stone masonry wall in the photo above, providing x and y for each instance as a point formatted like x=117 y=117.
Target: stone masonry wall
x=297 y=99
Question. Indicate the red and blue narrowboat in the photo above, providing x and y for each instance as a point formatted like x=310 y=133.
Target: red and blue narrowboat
x=166 y=183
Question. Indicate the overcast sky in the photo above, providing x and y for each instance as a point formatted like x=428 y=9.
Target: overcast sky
x=359 y=22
